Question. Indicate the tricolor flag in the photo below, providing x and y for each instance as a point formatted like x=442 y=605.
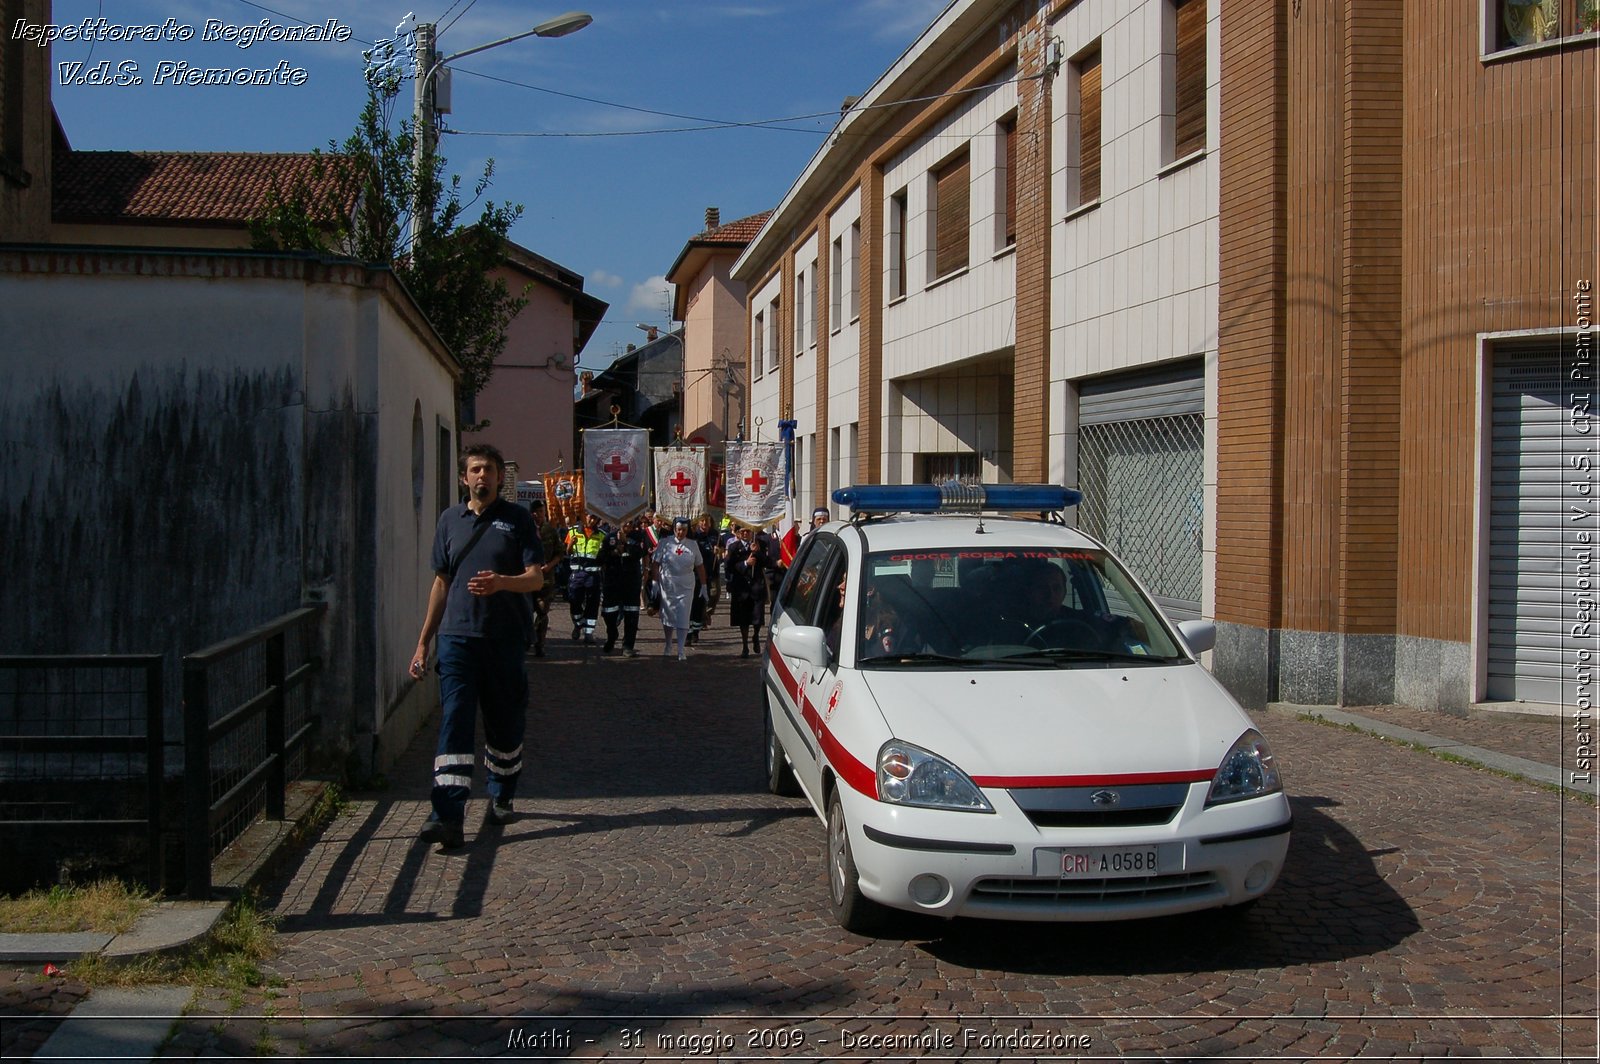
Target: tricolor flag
x=680 y=481
x=754 y=486
x=615 y=465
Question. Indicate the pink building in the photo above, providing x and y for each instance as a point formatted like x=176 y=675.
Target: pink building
x=526 y=408
x=711 y=306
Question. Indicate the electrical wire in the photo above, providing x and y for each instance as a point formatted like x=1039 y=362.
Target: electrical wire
x=707 y=124
x=457 y=18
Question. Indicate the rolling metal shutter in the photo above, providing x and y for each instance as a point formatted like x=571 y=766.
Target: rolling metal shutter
x=1530 y=436
x=1141 y=460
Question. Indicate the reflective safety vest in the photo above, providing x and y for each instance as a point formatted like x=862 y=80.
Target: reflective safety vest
x=583 y=545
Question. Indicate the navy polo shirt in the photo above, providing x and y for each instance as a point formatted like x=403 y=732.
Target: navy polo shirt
x=509 y=545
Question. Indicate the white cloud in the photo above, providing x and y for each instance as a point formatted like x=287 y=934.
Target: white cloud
x=650 y=300
x=604 y=279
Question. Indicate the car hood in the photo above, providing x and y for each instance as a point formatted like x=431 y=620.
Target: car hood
x=1063 y=727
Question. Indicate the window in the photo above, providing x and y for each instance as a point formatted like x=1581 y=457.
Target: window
x=445 y=467
x=952 y=213
x=1088 y=78
x=853 y=302
x=813 y=305
x=1007 y=227
x=836 y=284
x=1189 y=126
x=897 y=244
x=1519 y=23
x=801 y=304
x=758 y=346
x=772 y=336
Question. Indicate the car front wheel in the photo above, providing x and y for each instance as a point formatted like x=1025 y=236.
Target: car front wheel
x=854 y=911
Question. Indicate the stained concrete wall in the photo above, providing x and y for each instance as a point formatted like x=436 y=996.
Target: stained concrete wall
x=196 y=443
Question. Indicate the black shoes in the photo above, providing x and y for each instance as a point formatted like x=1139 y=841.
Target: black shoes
x=443 y=832
x=500 y=811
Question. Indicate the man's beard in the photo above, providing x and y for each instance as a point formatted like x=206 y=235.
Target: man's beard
x=482 y=492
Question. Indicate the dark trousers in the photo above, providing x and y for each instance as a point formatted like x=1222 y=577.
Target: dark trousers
x=487 y=672
x=583 y=594
x=629 y=616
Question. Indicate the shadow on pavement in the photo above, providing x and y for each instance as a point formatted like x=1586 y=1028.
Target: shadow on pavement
x=1329 y=904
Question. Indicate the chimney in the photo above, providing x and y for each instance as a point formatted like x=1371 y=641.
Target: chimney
x=713 y=217
x=586 y=381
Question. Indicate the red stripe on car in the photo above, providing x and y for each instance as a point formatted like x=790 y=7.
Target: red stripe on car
x=858 y=774
x=1126 y=779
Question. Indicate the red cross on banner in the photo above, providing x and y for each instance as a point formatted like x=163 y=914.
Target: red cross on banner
x=756 y=481
x=616 y=467
x=756 y=491
x=680 y=482
x=615 y=488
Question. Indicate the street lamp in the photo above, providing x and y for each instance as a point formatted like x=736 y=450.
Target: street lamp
x=430 y=63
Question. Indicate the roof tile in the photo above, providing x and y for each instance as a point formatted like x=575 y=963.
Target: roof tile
x=174 y=187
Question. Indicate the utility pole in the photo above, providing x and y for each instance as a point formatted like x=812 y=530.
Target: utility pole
x=423 y=136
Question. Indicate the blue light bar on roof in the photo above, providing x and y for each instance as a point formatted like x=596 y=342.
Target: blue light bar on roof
x=956 y=498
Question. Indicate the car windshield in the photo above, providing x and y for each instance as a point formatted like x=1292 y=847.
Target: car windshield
x=1021 y=607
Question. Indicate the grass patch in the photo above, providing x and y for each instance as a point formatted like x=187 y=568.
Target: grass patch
x=107 y=906
x=230 y=957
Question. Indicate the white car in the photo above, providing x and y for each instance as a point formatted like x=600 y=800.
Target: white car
x=994 y=720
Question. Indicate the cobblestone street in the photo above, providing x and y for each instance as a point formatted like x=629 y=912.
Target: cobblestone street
x=652 y=900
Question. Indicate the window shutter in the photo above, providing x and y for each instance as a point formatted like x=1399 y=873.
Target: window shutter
x=1089 y=129
x=951 y=194
x=1190 y=135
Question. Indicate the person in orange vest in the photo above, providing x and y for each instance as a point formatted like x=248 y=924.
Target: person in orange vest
x=583 y=584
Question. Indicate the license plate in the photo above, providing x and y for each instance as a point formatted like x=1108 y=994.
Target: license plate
x=1107 y=862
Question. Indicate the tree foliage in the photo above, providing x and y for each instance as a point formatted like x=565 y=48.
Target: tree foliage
x=362 y=198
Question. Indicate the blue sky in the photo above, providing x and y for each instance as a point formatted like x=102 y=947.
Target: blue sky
x=605 y=192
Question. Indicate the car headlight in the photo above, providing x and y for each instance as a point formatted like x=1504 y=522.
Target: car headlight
x=1247 y=772
x=908 y=775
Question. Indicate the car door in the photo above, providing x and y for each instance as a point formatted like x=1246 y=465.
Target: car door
x=793 y=682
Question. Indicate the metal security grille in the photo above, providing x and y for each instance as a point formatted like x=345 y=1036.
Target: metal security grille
x=1531 y=437
x=1143 y=498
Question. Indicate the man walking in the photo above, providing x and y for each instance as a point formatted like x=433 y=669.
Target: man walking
x=622 y=560
x=583 y=584
x=486 y=563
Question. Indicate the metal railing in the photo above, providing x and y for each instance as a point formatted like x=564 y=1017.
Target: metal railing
x=246 y=719
x=75 y=731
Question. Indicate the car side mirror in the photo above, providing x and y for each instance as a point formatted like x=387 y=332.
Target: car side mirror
x=1200 y=635
x=803 y=641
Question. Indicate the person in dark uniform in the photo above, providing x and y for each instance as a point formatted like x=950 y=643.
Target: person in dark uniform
x=583 y=585
x=550 y=543
x=622 y=558
x=744 y=566
x=707 y=538
x=486 y=563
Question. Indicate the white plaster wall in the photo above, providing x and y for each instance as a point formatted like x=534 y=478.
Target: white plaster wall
x=764 y=389
x=1134 y=281
x=973 y=312
x=844 y=339
x=411 y=376
x=804 y=353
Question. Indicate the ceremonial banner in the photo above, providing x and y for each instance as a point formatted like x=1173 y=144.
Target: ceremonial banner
x=563 y=498
x=754 y=487
x=680 y=481
x=616 y=473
